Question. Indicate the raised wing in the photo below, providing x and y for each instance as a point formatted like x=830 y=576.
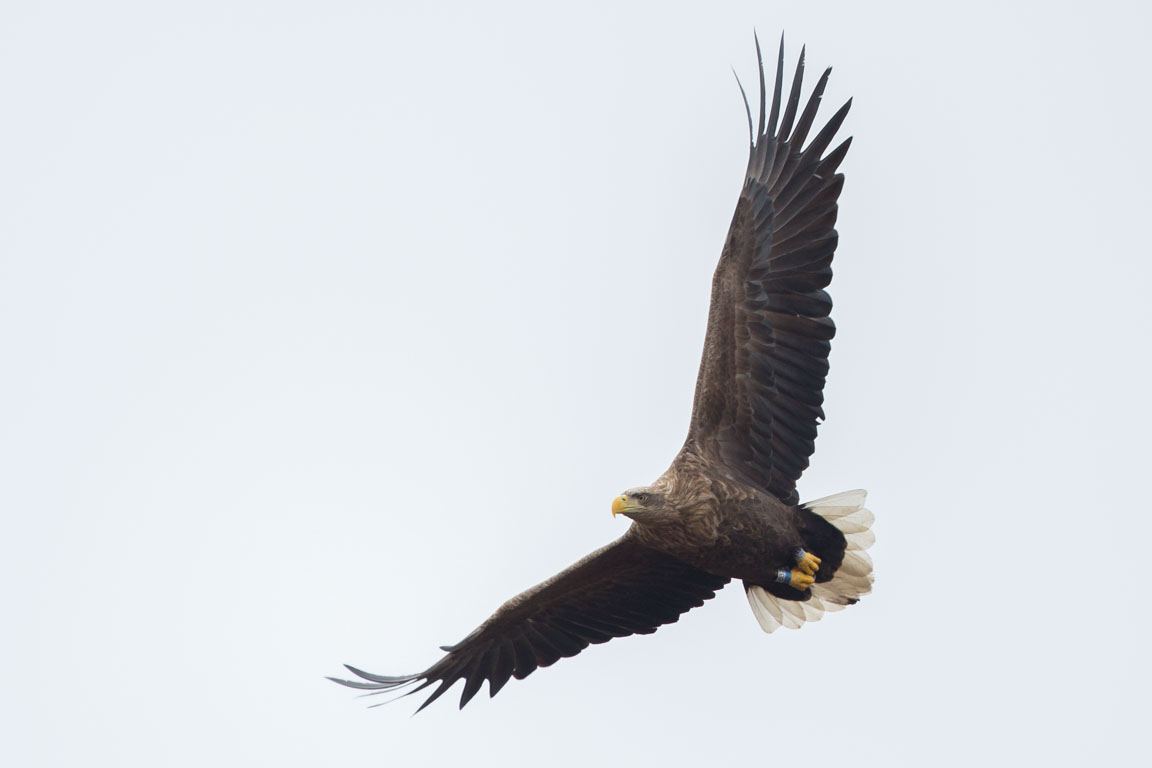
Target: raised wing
x=760 y=387
x=622 y=589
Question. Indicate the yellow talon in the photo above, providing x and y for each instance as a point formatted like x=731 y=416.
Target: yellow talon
x=800 y=580
x=809 y=564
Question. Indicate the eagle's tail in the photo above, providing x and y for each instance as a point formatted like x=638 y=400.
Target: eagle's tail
x=851 y=581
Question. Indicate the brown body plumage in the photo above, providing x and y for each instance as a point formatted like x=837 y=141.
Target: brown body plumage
x=733 y=529
x=727 y=506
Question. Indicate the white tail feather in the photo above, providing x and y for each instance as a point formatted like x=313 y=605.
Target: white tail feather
x=852 y=580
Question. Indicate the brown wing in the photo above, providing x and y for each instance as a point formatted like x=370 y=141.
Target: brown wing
x=622 y=589
x=760 y=387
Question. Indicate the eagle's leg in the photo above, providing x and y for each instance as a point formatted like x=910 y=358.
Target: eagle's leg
x=804 y=574
x=807 y=562
x=794 y=578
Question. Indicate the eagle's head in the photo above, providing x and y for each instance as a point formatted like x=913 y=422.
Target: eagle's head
x=644 y=505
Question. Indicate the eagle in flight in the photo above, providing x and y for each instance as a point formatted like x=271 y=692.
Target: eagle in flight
x=727 y=508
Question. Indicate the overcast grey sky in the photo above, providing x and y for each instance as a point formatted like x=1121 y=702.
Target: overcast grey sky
x=327 y=327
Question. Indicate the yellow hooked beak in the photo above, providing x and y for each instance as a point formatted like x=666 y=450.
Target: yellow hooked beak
x=619 y=505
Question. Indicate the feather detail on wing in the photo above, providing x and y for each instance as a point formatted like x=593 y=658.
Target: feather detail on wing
x=622 y=589
x=760 y=388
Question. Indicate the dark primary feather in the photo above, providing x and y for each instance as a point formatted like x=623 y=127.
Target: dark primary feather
x=760 y=388
x=622 y=589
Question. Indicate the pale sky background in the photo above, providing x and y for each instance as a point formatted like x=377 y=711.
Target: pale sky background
x=327 y=327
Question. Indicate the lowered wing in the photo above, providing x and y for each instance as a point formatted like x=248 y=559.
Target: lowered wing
x=622 y=589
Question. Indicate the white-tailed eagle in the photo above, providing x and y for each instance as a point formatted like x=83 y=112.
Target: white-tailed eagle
x=727 y=508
